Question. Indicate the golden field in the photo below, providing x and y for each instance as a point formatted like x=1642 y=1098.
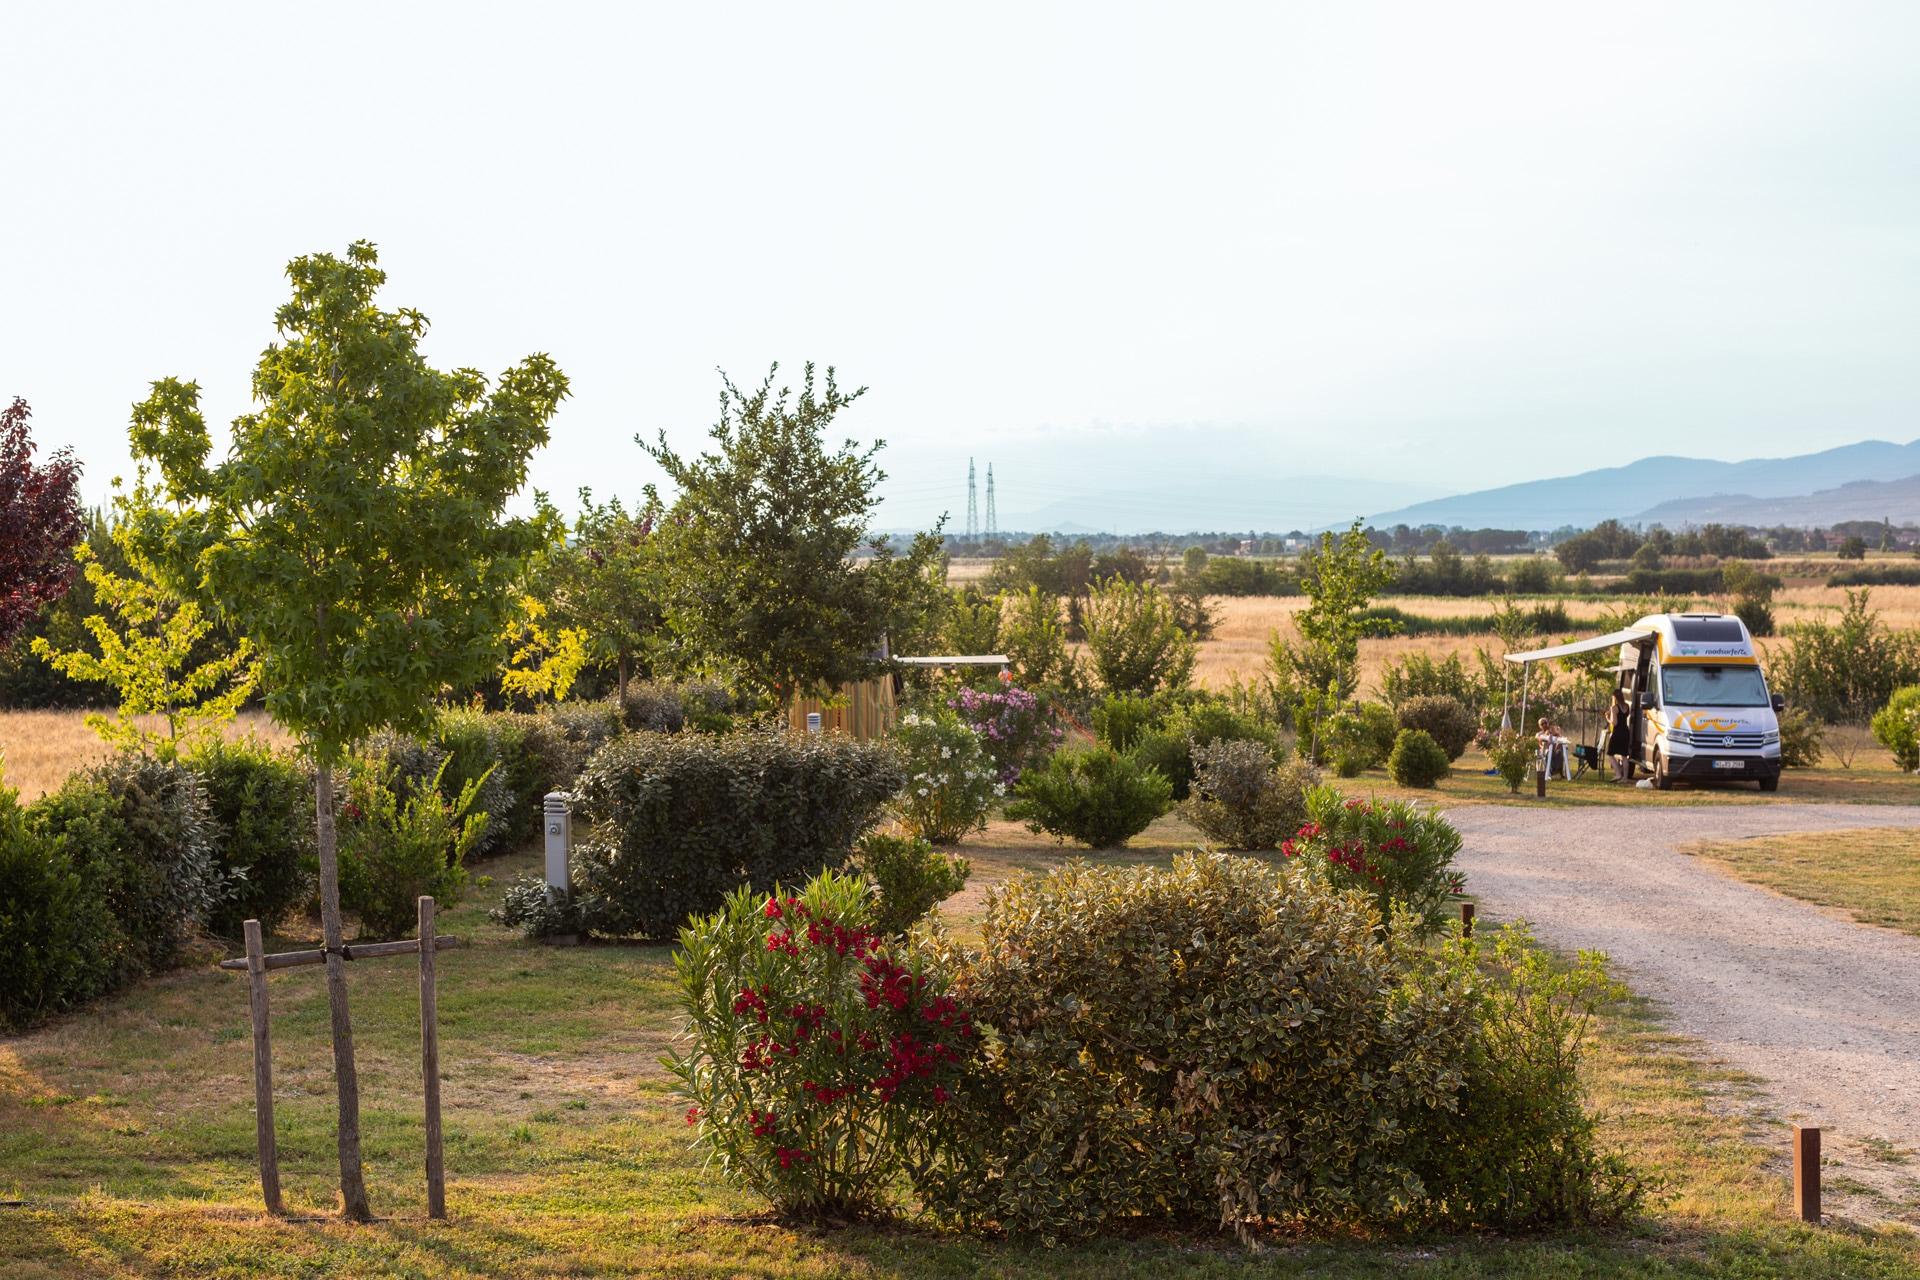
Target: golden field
x=38 y=749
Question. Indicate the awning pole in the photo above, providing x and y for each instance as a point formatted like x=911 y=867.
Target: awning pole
x=1506 y=700
x=1526 y=669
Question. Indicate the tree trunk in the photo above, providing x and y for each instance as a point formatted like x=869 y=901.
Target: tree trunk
x=626 y=664
x=353 y=1186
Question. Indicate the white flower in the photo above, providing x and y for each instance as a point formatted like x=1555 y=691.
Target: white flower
x=946 y=753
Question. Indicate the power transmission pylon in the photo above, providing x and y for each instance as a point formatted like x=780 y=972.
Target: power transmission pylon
x=973 y=505
x=993 y=519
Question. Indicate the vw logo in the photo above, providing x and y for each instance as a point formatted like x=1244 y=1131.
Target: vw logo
x=1727 y=741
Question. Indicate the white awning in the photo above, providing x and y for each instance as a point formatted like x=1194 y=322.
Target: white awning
x=957 y=660
x=1608 y=641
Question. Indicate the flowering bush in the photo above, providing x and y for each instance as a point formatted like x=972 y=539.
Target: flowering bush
x=1015 y=726
x=1398 y=854
x=821 y=1056
x=1512 y=753
x=951 y=779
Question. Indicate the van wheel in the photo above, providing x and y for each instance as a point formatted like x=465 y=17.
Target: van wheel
x=1770 y=784
x=1661 y=782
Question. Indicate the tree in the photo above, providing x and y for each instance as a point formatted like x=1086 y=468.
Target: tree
x=354 y=534
x=147 y=657
x=40 y=523
x=607 y=582
x=759 y=552
x=1340 y=577
x=1135 y=639
x=1854 y=548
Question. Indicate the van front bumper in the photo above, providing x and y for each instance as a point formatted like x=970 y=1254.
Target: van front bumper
x=1705 y=767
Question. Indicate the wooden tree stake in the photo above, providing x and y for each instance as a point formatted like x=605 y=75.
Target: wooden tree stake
x=430 y=1064
x=1466 y=919
x=262 y=1069
x=1806 y=1173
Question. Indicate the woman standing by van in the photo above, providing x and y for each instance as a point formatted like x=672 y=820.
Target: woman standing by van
x=1620 y=735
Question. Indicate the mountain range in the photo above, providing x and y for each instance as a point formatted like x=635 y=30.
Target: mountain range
x=1871 y=480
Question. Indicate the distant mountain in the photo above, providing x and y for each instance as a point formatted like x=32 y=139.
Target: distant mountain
x=1895 y=500
x=1639 y=487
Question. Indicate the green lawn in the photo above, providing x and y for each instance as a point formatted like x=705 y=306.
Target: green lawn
x=127 y=1132
x=1874 y=874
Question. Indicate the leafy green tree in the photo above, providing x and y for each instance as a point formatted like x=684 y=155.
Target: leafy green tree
x=1340 y=577
x=1135 y=639
x=354 y=532
x=607 y=581
x=148 y=657
x=1033 y=635
x=761 y=549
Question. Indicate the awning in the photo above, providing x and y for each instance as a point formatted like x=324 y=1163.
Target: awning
x=1610 y=640
x=958 y=660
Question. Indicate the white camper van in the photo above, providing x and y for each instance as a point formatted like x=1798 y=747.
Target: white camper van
x=1701 y=709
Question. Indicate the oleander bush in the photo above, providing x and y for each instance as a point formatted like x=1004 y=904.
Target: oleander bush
x=821 y=1055
x=1447 y=720
x=397 y=844
x=137 y=829
x=1015 y=725
x=908 y=877
x=673 y=823
x=1219 y=1043
x=260 y=803
x=1241 y=800
x=1513 y=754
x=952 y=780
x=1094 y=795
x=1417 y=760
x=62 y=943
x=1399 y=855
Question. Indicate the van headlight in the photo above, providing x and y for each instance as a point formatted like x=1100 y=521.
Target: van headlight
x=1680 y=737
x=1771 y=737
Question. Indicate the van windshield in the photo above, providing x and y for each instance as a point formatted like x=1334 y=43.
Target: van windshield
x=1691 y=686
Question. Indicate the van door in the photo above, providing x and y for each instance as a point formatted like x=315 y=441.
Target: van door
x=1649 y=741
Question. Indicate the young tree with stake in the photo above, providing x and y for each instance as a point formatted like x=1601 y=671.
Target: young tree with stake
x=354 y=534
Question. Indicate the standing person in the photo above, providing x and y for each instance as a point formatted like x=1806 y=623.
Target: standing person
x=1619 y=735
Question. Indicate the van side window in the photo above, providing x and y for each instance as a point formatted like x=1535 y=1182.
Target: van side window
x=1653 y=686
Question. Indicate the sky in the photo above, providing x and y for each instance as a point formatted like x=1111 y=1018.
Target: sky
x=1159 y=261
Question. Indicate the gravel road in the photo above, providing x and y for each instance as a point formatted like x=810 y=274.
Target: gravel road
x=1823 y=1010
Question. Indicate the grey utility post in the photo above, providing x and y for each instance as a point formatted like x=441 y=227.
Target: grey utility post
x=559 y=828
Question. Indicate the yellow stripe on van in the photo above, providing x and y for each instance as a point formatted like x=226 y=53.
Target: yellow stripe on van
x=1688 y=660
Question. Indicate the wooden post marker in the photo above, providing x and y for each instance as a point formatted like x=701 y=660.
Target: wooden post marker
x=1806 y=1173
x=1466 y=919
x=262 y=1069
x=430 y=1064
x=1539 y=782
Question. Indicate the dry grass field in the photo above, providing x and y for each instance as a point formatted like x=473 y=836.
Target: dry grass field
x=38 y=749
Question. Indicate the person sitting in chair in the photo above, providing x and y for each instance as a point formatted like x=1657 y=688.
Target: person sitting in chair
x=1553 y=749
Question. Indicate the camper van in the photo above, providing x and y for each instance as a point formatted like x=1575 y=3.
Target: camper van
x=1702 y=711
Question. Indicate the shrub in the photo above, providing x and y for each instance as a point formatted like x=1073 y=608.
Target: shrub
x=1803 y=740
x=1166 y=753
x=470 y=741
x=61 y=938
x=1448 y=721
x=1134 y=638
x=1417 y=760
x=1513 y=754
x=1896 y=727
x=1014 y=725
x=1121 y=719
x=1517 y=1150
x=1241 y=801
x=821 y=1057
x=261 y=806
x=1418 y=674
x=1400 y=855
x=137 y=829
x=535 y=758
x=951 y=780
x=675 y=822
x=1845 y=669
x=1219 y=1043
x=528 y=905
x=1879 y=575
x=1357 y=738
x=908 y=877
x=1096 y=796
x=580 y=729
x=393 y=850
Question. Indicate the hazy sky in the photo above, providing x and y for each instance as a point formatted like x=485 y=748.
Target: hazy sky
x=1106 y=247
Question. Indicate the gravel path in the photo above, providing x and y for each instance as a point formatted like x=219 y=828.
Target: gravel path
x=1823 y=1010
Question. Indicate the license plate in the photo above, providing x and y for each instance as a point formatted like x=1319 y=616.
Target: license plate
x=1729 y=764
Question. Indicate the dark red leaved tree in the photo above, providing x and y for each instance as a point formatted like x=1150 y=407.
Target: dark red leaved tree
x=39 y=523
